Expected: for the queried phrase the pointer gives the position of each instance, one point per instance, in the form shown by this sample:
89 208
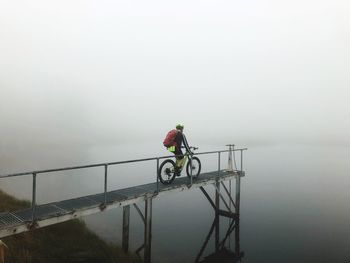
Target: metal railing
106 165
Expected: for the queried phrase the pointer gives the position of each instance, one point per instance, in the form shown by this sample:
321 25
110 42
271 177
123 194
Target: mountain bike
168 169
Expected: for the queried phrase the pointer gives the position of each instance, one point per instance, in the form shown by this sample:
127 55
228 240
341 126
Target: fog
76 74
96 81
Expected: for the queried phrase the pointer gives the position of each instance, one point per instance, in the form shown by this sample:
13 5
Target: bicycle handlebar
191 147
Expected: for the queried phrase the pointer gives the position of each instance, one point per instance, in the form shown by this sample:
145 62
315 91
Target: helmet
179 126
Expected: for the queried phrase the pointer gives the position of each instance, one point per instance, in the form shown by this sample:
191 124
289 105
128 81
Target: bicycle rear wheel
196 167
166 172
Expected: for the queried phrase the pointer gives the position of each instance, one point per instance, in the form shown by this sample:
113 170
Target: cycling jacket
180 140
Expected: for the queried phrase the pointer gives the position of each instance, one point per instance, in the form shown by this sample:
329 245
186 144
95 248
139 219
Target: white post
230 161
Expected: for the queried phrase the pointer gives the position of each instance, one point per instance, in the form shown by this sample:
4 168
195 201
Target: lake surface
294 200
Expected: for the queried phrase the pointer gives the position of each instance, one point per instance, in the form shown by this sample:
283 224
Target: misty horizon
252 73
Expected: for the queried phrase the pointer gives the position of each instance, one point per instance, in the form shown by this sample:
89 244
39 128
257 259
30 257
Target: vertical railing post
241 160
191 169
231 148
105 187
157 175
219 163
34 198
229 164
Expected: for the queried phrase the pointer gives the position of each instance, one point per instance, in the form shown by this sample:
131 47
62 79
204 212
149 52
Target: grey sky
103 72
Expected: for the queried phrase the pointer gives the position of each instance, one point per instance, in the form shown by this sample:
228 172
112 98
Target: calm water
294 201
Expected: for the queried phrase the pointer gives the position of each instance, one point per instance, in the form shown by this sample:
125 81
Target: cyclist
179 140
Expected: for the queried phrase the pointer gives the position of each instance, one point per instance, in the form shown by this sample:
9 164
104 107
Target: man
179 140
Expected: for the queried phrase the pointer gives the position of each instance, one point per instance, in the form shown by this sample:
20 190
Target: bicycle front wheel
166 172
196 167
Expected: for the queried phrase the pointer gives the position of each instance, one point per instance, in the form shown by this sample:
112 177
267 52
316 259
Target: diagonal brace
208 197
206 241
222 198
139 249
228 233
228 194
140 213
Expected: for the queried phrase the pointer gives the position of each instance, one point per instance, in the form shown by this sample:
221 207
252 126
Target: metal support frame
206 241
217 190
139 249
233 216
229 195
207 196
235 255
228 233
229 214
140 213
220 245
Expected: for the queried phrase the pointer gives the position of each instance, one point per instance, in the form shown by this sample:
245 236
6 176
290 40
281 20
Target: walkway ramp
52 213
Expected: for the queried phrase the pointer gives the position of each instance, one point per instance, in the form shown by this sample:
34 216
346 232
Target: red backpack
170 139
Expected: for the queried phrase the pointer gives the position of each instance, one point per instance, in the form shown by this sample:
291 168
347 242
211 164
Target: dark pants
179 152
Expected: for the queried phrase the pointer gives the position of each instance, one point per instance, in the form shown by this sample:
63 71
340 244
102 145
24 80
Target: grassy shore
66 242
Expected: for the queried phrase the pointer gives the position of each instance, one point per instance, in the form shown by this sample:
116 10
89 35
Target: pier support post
217 216
148 230
238 193
34 199
237 241
126 226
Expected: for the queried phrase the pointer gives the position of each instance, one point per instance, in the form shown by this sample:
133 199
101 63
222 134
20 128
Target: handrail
108 164
105 165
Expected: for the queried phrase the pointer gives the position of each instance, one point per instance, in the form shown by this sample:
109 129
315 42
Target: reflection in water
223 252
